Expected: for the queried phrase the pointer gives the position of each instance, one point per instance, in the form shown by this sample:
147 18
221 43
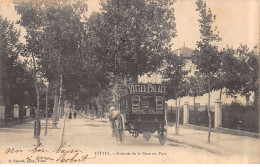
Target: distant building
186 54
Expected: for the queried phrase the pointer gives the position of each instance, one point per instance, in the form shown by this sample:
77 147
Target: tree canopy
175 76
57 37
17 86
132 35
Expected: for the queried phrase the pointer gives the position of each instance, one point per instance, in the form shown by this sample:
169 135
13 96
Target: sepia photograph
129 81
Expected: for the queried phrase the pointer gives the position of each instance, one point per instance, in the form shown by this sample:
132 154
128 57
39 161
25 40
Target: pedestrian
75 115
70 115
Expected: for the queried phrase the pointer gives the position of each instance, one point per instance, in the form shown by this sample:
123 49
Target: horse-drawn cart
141 111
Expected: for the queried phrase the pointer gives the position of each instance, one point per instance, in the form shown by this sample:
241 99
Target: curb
220 130
194 146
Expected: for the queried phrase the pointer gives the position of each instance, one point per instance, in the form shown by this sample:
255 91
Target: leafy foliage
237 116
239 71
17 86
206 56
56 35
206 51
197 85
131 36
175 76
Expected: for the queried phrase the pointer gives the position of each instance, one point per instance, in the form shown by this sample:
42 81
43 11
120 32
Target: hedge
201 118
238 116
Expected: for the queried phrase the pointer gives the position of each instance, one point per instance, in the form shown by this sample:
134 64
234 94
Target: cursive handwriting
61 150
37 150
75 158
64 155
12 150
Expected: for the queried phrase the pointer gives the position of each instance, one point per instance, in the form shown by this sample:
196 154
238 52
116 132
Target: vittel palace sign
147 88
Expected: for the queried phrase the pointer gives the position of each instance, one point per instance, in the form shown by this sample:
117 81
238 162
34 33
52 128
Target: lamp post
47 86
38 124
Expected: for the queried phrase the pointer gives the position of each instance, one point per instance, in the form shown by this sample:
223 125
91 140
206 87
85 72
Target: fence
198 117
237 116
8 122
231 116
201 118
171 115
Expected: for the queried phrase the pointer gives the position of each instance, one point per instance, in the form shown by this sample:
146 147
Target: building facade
186 54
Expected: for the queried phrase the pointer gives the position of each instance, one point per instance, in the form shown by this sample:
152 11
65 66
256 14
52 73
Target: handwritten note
59 155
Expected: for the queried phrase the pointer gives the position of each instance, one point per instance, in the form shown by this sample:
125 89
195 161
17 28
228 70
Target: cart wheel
121 128
162 134
116 129
162 138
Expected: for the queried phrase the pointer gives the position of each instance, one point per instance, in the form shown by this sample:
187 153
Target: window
159 102
146 101
135 102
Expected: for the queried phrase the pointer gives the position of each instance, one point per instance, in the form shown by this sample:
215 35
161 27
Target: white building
186 53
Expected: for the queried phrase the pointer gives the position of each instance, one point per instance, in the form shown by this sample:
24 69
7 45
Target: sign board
147 88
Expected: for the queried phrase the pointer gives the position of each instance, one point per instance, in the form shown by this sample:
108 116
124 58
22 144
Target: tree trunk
194 102
98 107
220 94
116 94
209 111
59 106
62 107
46 110
38 114
176 127
38 103
178 118
56 103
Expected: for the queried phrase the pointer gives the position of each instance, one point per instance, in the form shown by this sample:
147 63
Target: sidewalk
221 144
25 134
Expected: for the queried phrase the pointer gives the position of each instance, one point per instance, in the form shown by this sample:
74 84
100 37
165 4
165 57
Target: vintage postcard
129 82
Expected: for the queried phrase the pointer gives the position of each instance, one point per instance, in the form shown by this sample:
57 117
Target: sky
236 20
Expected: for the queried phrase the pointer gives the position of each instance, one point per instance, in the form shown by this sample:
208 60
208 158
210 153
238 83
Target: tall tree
197 87
206 56
15 79
174 76
133 34
139 32
54 36
239 71
175 79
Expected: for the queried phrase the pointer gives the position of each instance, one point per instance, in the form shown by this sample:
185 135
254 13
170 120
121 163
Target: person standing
75 114
70 115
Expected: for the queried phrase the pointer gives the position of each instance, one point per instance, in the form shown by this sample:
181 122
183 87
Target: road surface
95 137
86 140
